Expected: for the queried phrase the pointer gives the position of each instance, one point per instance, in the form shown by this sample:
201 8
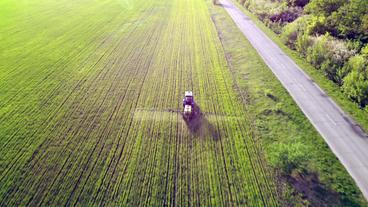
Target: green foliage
292 31
351 20
329 34
324 7
289 157
316 25
303 43
364 50
325 53
356 62
317 54
300 29
76 78
356 82
339 54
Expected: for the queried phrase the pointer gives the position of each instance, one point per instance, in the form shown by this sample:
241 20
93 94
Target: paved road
342 134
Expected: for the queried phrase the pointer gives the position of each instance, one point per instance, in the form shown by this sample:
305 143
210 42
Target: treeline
331 34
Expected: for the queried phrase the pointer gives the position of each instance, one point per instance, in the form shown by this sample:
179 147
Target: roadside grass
348 106
279 121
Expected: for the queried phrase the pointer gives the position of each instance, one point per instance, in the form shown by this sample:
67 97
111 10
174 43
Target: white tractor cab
188 104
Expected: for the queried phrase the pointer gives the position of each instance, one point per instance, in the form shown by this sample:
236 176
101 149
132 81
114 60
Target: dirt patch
311 189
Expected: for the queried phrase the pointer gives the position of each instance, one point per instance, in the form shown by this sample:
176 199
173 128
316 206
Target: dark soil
311 189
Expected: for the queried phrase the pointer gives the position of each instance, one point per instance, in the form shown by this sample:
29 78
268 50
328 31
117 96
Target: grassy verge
351 108
326 182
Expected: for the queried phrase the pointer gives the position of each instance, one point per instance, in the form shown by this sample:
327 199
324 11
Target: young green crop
90 94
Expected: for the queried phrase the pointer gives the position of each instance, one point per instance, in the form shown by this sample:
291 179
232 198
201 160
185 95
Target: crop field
90 101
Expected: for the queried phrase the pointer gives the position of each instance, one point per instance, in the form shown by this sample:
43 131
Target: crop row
109 132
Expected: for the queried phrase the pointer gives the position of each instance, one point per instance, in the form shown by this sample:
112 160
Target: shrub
300 29
317 53
292 31
290 34
329 55
324 7
303 43
355 84
339 54
316 25
354 45
351 20
364 51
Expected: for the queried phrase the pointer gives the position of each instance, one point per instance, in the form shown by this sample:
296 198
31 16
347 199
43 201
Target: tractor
188 105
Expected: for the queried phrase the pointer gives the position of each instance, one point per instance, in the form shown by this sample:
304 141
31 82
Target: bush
355 84
292 31
324 7
289 157
339 54
303 43
350 21
296 34
329 55
316 25
364 51
317 53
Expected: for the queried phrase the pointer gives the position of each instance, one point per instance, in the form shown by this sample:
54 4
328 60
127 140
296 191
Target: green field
88 108
90 111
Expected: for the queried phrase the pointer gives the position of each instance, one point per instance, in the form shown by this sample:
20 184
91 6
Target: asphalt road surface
342 134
